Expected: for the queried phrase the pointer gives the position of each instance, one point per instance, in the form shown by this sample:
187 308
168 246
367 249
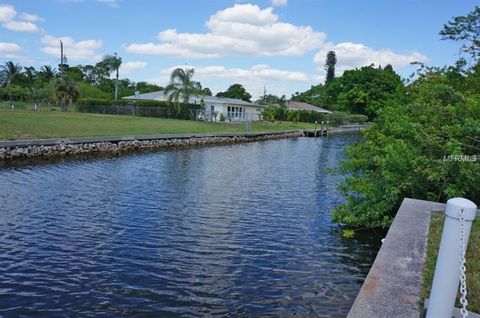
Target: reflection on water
240 230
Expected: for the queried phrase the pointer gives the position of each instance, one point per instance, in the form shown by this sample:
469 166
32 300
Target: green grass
25 124
473 262
29 106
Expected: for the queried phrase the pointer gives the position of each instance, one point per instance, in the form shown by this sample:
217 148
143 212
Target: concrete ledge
347 129
392 287
334 131
48 148
116 139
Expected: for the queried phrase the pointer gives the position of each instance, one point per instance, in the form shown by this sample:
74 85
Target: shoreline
70 147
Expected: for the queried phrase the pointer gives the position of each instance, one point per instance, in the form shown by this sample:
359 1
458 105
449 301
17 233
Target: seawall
63 147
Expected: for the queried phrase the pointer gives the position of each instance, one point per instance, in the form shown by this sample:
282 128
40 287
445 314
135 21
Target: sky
275 45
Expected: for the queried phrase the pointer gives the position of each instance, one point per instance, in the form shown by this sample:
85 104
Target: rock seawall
72 149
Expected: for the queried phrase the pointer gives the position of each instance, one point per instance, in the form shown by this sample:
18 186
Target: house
231 109
305 106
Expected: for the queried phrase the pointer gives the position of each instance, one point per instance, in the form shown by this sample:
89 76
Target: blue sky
277 44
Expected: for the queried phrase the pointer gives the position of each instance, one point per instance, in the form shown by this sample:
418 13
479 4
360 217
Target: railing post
447 270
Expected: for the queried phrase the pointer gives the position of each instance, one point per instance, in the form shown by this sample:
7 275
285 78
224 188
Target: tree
363 91
206 91
144 87
271 99
75 73
113 62
181 87
405 154
66 91
236 91
313 96
47 73
90 74
12 71
389 68
465 29
29 77
330 66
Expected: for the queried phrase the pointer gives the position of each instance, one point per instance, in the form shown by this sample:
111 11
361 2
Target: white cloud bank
111 3
132 66
279 3
242 30
254 79
8 16
248 30
7 12
81 50
352 55
31 17
10 50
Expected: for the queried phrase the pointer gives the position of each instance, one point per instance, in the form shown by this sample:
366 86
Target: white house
232 109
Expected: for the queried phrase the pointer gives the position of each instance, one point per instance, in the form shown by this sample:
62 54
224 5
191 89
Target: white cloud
248 30
111 3
131 67
30 17
81 50
10 50
243 29
279 3
354 55
259 71
8 15
20 26
7 12
254 79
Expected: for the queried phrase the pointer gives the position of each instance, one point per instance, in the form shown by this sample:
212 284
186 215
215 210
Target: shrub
337 118
269 113
293 115
357 119
272 113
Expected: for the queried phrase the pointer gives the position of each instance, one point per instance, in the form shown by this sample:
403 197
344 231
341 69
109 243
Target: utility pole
61 59
116 80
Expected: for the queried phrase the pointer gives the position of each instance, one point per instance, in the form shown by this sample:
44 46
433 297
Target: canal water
239 230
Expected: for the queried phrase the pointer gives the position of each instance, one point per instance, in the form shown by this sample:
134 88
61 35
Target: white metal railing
450 268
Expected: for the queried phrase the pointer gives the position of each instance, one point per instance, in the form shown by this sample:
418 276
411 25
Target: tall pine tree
330 66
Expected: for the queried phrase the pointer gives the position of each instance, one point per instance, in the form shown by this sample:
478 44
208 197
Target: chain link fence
132 110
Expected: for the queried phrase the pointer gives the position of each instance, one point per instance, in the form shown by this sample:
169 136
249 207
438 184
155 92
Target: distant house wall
232 113
231 108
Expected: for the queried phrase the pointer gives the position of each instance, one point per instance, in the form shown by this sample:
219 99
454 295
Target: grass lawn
25 124
473 262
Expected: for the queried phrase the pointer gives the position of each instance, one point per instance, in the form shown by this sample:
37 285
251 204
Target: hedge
272 113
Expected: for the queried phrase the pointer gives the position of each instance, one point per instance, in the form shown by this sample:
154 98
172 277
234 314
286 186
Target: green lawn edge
24 124
473 262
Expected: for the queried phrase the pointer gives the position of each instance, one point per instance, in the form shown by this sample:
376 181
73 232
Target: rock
115 148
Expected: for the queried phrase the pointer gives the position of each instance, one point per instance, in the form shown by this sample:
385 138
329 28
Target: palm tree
11 72
29 76
47 72
181 87
66 91
113 62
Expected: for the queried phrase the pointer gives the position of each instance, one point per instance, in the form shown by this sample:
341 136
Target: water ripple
234 231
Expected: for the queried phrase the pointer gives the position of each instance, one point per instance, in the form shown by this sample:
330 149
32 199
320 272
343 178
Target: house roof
159 95
306 106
